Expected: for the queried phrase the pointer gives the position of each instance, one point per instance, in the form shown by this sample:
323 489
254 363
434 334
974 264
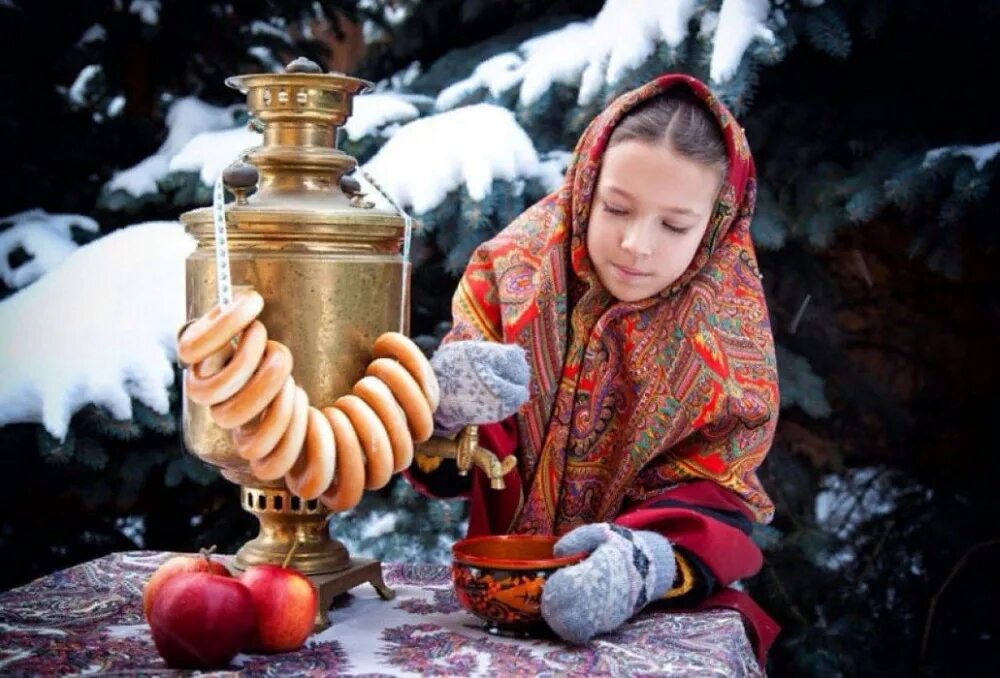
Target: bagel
408 394
349 482
212 331
255 439
212 388
258 393
214 363
286 452
401 347
380 398
373 437
313 471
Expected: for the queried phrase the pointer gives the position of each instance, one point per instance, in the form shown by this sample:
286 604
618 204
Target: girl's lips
626 272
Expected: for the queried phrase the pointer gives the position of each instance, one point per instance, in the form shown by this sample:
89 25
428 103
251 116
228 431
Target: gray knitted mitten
481 382
626 569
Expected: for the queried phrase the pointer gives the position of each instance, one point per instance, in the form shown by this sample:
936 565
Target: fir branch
962 562
826 29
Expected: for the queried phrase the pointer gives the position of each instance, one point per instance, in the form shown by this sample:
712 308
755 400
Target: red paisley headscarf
629 399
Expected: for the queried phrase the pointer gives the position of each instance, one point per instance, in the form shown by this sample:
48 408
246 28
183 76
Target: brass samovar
330 266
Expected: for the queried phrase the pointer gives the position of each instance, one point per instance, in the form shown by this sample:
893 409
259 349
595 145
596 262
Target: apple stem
291 552
207 553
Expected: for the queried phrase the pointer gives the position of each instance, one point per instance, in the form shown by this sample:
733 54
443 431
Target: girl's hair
681 119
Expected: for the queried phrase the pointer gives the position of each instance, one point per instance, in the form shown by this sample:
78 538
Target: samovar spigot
465 450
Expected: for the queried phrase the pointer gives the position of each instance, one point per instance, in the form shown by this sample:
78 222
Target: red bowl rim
512 563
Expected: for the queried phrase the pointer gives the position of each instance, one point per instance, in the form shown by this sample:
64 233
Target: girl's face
648 216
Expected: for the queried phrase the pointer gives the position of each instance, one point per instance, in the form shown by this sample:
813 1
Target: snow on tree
98 329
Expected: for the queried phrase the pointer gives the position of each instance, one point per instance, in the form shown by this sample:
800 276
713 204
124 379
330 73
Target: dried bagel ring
212 389
255 439
373 437
313 471
258 393
401 347
210 332
408 395
379 396
349 482
283 456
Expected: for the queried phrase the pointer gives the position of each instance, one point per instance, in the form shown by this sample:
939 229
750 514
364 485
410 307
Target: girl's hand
481 382
626 569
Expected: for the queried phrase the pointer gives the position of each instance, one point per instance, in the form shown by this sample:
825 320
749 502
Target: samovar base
296 531
286 522
330 586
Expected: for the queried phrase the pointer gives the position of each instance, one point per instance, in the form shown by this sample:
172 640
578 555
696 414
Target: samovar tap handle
465 450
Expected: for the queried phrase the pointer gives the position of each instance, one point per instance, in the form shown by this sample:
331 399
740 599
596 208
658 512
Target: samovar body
329 264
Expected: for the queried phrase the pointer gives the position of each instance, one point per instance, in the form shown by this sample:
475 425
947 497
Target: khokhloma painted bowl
499 579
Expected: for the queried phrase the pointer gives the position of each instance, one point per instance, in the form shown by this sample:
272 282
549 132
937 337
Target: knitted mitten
625 570
481 382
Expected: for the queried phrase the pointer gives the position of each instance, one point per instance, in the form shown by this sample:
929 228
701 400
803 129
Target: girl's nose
638 238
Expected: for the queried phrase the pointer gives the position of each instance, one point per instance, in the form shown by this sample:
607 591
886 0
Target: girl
617 331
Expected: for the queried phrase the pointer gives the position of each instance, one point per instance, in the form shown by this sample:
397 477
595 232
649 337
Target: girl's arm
710 530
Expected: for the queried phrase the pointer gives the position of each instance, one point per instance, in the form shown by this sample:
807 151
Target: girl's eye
617 211
674 229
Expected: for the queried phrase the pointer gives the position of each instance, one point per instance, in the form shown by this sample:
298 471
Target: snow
211 152
845 501
133 528
148 10
378 524
187 118
392 13
740 22
99 328
400 79
78 90
497 74
95 33
372 111
46 237
471 146
552 169
258 27
624 35
556 57
266 57
980 155
599 53
115 106
190 116
141 178
674 21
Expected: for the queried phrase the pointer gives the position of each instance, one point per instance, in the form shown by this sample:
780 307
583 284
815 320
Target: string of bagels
331 453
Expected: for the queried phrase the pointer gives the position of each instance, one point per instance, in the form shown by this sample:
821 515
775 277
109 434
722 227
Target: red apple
175 566
286 603
201 620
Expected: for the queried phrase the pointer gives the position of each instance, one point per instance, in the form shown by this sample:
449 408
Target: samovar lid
302 175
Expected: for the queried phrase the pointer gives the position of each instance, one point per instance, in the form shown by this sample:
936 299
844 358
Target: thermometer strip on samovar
222 274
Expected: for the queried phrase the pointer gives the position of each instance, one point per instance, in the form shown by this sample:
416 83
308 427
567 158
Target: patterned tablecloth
88 619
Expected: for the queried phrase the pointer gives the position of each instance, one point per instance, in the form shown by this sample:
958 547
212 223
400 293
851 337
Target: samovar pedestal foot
331 585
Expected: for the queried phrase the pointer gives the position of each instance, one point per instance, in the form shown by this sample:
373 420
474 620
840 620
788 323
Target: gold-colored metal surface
333 279
465 451
284 519
330 269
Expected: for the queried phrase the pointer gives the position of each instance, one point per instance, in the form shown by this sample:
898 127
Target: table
88 619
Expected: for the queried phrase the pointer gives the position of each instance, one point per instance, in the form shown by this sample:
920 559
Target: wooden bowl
499 579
